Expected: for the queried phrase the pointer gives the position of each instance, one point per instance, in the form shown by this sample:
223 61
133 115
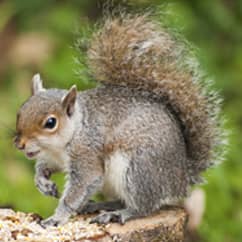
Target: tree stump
167 225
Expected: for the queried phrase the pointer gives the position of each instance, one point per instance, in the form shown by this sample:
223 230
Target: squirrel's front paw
46 186
53 221
49 222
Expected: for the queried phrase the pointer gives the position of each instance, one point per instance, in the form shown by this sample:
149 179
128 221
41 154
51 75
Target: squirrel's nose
20 143
21 146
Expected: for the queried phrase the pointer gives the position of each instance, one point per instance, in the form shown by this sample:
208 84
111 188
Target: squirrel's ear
69 100
37 84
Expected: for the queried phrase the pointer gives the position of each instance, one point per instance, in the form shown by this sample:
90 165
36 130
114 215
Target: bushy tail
136 51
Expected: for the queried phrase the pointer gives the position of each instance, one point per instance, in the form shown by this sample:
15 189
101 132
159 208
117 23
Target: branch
166 225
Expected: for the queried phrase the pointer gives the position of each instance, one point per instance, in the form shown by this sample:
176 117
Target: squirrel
142 137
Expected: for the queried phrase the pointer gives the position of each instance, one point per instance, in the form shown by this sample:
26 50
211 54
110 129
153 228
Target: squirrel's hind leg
120 216
93 207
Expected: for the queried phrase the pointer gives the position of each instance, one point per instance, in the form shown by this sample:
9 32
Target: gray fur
141 126
143 136
115 124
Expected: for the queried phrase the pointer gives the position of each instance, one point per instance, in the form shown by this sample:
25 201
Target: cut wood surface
168 225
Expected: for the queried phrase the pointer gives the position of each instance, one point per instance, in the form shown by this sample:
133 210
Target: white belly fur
114 180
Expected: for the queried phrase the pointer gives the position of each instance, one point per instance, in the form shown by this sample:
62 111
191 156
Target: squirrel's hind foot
94 207
119 216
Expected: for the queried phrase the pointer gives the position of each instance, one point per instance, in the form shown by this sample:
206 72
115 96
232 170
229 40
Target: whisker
10 132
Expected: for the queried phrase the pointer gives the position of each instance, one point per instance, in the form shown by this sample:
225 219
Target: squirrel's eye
50 123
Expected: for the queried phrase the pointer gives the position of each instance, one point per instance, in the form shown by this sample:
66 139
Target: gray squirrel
142 137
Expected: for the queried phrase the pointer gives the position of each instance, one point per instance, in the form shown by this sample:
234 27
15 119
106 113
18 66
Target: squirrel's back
137 52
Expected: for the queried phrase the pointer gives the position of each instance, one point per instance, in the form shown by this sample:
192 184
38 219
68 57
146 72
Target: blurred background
38 36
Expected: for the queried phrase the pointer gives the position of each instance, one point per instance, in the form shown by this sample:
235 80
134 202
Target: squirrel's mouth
31 155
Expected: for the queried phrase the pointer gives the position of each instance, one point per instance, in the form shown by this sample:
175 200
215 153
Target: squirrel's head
47 120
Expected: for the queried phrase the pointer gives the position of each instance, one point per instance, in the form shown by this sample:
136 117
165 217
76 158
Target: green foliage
213 26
